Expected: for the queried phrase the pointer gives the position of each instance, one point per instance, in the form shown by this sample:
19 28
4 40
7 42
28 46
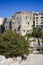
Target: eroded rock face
32 59
2 59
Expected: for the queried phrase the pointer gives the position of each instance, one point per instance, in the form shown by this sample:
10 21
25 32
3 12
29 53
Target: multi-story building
38 20
23 22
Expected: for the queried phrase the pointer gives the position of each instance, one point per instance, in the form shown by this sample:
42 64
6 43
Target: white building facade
39 20
23 22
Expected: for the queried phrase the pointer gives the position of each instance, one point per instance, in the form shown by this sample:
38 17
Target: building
7 24
23 22
1 22
38 20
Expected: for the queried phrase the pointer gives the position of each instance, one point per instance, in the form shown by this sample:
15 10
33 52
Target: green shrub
13 44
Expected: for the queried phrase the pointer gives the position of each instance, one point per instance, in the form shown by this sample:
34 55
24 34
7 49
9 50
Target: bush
28 35
13 44
36 34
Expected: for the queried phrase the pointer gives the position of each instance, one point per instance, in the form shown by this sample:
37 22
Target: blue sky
9 7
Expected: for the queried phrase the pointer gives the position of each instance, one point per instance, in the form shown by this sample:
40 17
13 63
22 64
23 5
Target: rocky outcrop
32 59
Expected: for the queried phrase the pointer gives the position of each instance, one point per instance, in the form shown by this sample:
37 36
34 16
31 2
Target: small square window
26 17
41 17
13 22
28 23
36 23
24 30
27 30
37 26
37 20
17 17
18 22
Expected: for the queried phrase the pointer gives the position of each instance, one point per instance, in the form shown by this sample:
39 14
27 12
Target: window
26 17
10 25
37 26
36 20
28 23
36 17
27 30
13 22
41 26
18 22
17 17
41 17
42 49
24 30
19 28
41 22
38 49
